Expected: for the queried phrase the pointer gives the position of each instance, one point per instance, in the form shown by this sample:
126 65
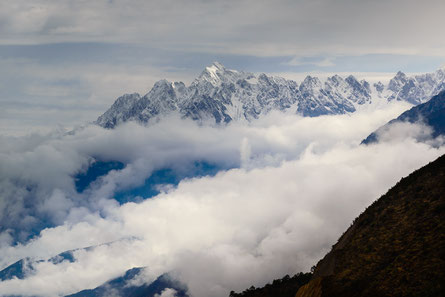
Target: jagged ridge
220 95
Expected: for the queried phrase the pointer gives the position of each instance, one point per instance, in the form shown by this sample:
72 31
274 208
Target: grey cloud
38 171
248 27
37 96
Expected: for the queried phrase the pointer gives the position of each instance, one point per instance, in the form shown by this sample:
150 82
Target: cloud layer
297 185
268 28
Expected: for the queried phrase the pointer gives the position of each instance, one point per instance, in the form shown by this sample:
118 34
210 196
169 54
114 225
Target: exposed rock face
119 111
395 248
221 95
284 287
415 89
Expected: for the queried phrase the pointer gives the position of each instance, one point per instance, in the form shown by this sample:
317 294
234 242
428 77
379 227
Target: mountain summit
221 95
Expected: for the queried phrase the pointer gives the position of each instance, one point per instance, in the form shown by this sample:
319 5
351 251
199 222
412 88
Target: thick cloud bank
294 187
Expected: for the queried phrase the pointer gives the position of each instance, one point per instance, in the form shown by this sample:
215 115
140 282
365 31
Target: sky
287 186
63 63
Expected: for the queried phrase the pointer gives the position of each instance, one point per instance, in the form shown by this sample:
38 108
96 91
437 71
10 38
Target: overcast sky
64 62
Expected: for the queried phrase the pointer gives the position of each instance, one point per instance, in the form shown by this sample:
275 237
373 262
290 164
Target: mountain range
125 285
130 284
220 95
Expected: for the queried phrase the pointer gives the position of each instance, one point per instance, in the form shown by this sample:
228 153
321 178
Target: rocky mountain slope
284 287
431 113
26 266
395 248
220 95
129 286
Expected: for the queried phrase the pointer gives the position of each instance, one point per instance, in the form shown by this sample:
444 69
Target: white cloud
304 182
167 293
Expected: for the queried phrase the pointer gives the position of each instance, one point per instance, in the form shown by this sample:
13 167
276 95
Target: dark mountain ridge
395 248
431 113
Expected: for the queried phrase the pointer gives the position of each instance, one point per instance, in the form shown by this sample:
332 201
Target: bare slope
395 248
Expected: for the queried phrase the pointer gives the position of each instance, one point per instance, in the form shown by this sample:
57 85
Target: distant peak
161 85
218 65
400 74
311 79
214 74
162 82
127 98
215 67
336 77
351 77
441 69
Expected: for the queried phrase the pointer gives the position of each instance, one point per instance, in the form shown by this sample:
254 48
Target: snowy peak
336 81
216 74
215 67
400 75
220 95
396 83
416 89
118 111
163 83
127 99
161 90
360 91
311 82
161 100
440 73
379 87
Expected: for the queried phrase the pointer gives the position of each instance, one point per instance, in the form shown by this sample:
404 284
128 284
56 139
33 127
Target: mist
286 189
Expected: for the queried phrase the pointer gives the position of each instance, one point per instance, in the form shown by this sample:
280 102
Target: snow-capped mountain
221 95
415 89
126 285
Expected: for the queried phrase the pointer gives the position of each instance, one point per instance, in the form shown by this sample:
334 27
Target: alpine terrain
220 95
431 113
